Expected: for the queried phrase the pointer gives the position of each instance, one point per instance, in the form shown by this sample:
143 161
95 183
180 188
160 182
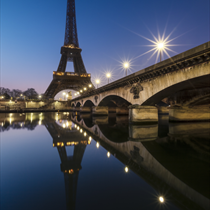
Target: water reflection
172 157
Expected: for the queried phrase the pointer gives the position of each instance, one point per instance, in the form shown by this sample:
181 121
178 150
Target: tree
6 96
30 93
16 93
5 90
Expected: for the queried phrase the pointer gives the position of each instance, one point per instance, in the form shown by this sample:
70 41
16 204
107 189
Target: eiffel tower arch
70 52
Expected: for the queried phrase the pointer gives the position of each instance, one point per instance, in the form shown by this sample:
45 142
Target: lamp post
64 96
108 75
126 66
160 46
97 82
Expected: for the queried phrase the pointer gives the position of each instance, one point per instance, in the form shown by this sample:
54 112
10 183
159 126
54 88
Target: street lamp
64 96
108 75
97 82
160 46
126 66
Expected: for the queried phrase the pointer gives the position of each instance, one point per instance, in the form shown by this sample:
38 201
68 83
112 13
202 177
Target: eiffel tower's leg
79 151
62 154
79 66
71 189
62 64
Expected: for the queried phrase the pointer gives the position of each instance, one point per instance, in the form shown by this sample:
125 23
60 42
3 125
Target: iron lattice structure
78 79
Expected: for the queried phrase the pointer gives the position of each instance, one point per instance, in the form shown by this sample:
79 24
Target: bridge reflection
160 158
164 155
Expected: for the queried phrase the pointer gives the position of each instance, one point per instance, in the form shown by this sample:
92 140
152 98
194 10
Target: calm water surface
62 161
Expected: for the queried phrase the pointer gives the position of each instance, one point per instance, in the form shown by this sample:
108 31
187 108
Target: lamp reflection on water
97 145
126 169
108 154
161 199
90 138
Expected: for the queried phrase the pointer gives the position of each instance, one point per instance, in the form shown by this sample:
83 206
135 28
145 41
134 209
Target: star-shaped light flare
160 45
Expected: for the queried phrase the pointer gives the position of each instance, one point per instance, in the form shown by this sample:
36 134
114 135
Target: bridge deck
194 56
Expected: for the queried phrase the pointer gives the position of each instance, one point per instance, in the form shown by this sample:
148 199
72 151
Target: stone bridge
184 79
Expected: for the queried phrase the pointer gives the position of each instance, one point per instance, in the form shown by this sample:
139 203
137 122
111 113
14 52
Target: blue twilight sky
32 33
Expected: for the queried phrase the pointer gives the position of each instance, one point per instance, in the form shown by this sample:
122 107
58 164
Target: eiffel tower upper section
71 27
71 51
78 80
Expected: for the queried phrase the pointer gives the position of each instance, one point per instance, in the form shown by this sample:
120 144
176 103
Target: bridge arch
199 100
78 104
114 101
88 103
170 89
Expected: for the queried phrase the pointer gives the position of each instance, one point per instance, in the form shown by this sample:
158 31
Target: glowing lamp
160 45
126 65
161 199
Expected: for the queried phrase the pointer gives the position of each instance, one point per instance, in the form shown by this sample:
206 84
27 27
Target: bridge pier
100 110
143 132
112 109
122 111
178 113
85 109
143 114
101 120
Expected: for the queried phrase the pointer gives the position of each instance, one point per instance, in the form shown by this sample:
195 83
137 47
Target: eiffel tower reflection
70 165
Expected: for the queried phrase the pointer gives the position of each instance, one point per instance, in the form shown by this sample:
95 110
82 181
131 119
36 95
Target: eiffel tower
79 79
